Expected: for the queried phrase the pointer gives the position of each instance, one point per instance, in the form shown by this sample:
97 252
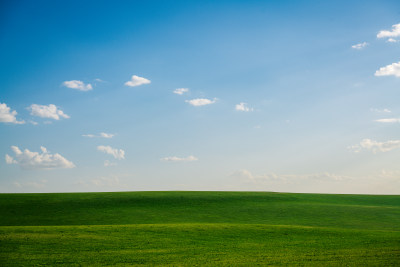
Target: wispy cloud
391 40
102 135
389 70
136 81
35 160
116 153
384 110
246 175
78 85
181 91
389 120
243 107
395 32
178 159
51 111
201 102
359 46
375 146
108 163
8 116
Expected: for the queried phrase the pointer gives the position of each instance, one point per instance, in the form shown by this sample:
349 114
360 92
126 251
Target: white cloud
111 181
391 40
392 69
36 160
359 46
201 102
189 158
181 91
78 85
6 115
388 34
50 111
243 107
375 146
10 160
116 153
106 135
385 110
36 185
389 120
89 135
108 163
286 178
103 135
136 81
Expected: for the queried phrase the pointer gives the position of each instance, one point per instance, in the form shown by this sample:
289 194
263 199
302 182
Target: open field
199 228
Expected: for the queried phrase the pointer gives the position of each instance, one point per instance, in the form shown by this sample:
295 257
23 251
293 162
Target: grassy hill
199 228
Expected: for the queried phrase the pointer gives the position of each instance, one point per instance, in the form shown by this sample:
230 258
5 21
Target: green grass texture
199 229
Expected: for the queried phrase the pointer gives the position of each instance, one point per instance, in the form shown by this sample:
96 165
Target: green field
199 228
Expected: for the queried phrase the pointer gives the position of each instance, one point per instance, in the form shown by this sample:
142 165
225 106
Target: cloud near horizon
51 111
116 153
375 146
249 177
201 102
8 116
389 120
78 85
29 160
136 81
178 159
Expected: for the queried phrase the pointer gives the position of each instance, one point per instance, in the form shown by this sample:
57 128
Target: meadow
199 228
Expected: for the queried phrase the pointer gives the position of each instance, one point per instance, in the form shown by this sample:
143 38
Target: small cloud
201 102
33 122
78 85
99 80
106 181
375 146
106 135
8 116
35 160
36 185
108 163
136 81
243 107
271 178
359 46
395 32
102 135
389 120
384 110
181 91
50 111
116 153
389 70
391 40
178 159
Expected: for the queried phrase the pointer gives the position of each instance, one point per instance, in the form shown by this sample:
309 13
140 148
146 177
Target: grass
199 228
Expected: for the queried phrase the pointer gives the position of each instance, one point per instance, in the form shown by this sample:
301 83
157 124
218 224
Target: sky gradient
289 96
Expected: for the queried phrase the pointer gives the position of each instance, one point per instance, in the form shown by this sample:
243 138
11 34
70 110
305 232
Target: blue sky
291 96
